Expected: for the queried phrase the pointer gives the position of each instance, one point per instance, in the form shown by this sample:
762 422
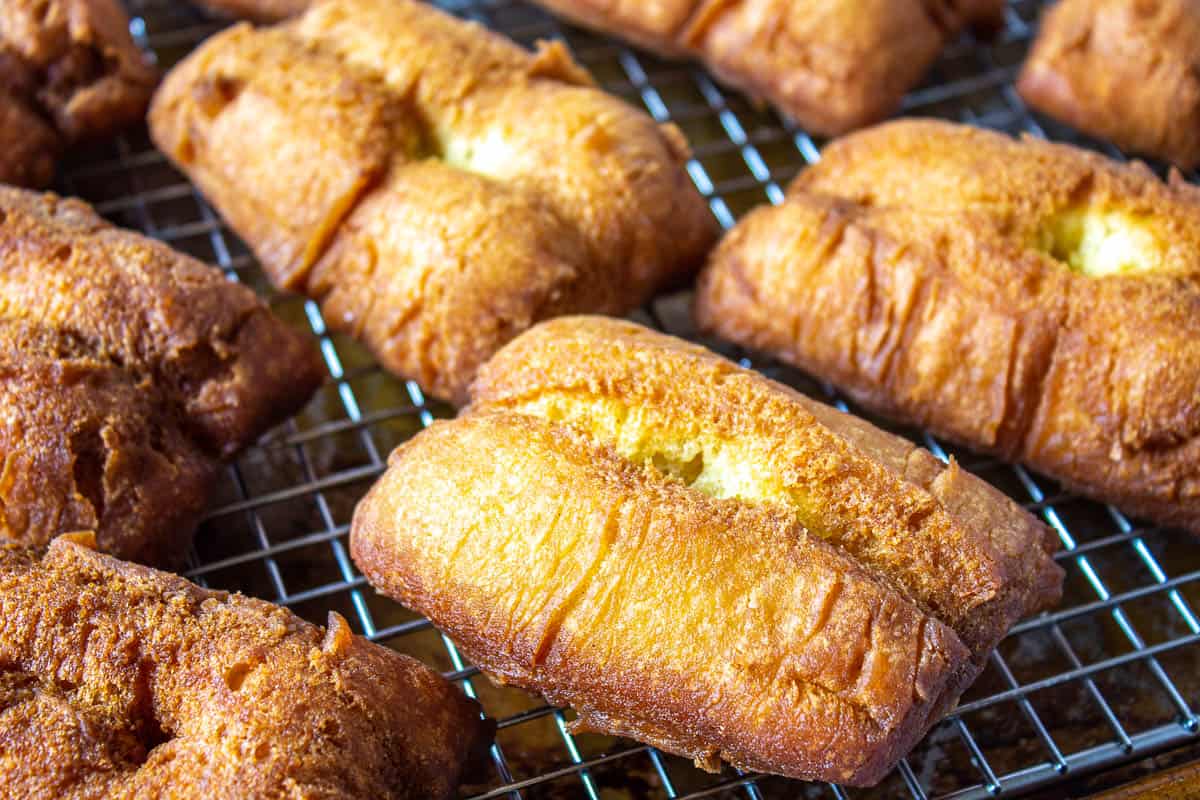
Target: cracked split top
69 71
438 188
1028 299
697 557
119 682
128 371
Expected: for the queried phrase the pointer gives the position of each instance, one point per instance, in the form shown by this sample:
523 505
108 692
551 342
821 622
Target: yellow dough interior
714 465
490 155
1098 242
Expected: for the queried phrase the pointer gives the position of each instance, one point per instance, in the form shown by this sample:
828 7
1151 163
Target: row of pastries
683 551
1115 69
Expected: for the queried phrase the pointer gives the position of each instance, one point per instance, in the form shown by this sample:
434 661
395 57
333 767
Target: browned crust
69 71
438 188
28 145
234 368
966 552
832 66
713 629
904 268
120 681
718 624
83 444
257 10
1128 72
127 371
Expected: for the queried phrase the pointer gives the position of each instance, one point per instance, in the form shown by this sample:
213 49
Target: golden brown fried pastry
955 544
119 681
832 66
1028 299
258 10
698 557
1123 70
69 71
86 443
436 187
127 372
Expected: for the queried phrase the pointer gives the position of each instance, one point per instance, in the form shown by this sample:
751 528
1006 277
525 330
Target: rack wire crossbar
1111 675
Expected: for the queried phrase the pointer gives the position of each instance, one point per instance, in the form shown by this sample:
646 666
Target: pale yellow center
1099 243
717 466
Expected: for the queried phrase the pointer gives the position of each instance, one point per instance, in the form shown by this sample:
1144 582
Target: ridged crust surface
891 505
911 267
695 556
832 66
69 71
127 372
1124 71
437 187
707 627
118 681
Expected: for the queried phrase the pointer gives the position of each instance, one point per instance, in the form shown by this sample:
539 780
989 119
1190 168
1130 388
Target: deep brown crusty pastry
28 145
1028 299
435 186
86 443
127 372
119 681
832 65
69 71
1122 70
698 557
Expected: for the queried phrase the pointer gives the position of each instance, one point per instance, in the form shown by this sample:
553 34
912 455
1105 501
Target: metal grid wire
1111 675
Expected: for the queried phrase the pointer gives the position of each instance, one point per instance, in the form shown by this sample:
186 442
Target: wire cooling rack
1110 676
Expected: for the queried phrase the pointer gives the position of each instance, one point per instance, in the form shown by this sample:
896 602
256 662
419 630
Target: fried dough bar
955 544
436 187
1027 299
697 557
69 71
119 681
832 65
1124 71
127 372
708 628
